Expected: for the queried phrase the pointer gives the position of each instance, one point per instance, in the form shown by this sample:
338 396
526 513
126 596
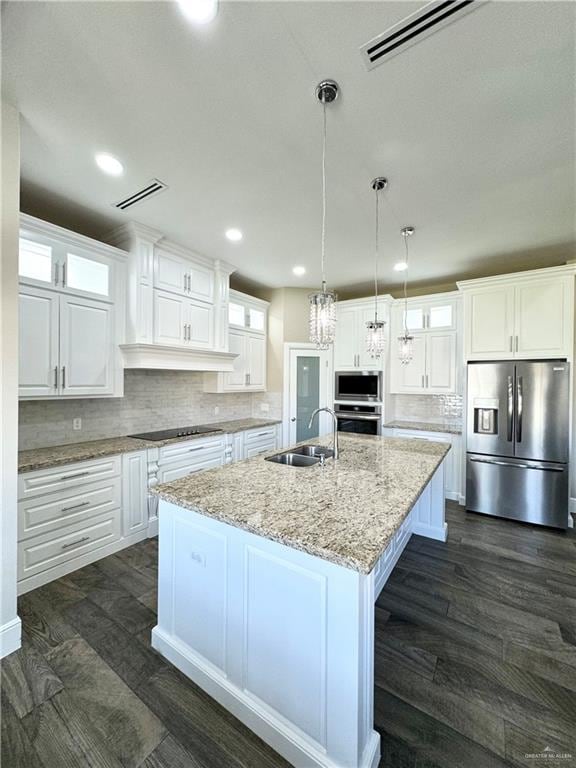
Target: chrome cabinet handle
423 385
511 343
64 273
55 273
76 506
248 375
76 543
63 377
185 339
189 283
75 474
55 377
517 466
519 408
517 344
510 418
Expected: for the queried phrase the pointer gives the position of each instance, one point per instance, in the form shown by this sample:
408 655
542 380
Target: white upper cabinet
351 333
177 314
72 314
247 340
489 323
38 340
180 275
526 316
433 322
86 347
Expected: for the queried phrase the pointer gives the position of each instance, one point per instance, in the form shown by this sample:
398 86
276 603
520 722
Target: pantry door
308 385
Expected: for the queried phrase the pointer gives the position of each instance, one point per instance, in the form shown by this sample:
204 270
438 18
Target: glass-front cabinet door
51 264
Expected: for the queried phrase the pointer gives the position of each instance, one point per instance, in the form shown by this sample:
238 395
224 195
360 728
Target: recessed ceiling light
235 235
199 11
400 266
299 271
109 164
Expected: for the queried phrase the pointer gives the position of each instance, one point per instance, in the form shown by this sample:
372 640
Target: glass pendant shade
375 338
405 348
322 317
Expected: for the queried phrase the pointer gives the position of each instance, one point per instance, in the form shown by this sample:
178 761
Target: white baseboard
45 577
571 511
274 731
10 637
430 531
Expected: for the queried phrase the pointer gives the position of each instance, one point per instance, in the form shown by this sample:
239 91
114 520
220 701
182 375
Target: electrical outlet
264 407
216 410
76 424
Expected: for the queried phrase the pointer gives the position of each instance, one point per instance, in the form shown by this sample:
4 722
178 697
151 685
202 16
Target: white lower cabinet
453 463
73 515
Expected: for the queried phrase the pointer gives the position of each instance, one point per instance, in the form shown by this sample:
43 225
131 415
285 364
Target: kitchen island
267 580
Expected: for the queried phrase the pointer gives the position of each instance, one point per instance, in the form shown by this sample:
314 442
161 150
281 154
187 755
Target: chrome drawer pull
76 543
199 448
263 434
76 474
76 506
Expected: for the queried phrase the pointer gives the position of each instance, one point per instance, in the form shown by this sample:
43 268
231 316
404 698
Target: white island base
282 639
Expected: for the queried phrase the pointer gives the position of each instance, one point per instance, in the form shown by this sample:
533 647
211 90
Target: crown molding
46 229
568 270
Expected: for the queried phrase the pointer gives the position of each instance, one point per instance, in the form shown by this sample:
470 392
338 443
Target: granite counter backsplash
345 511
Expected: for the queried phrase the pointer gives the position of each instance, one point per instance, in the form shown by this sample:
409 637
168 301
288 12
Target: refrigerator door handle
509 432
519 405
518 466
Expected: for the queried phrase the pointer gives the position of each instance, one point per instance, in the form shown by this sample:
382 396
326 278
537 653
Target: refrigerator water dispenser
486 416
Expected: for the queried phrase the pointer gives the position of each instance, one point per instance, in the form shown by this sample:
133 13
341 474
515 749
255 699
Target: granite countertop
426 426
345 512
58 455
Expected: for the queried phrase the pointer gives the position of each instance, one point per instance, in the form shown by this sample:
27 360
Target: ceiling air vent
154 187
422 23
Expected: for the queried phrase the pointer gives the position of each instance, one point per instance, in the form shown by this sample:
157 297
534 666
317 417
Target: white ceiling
474 127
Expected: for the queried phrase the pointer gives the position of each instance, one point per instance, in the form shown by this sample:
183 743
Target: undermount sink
294 459
314 450
303 456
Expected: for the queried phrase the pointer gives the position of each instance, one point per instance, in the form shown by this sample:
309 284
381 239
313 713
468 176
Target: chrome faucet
335 422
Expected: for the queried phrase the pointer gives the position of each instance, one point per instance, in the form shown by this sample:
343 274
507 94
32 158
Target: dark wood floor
475 664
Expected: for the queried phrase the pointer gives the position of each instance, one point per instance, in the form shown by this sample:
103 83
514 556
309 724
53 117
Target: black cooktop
166 434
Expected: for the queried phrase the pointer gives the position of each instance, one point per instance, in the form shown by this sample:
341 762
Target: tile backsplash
428 408
152 400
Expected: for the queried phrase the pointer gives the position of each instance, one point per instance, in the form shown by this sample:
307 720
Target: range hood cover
168 358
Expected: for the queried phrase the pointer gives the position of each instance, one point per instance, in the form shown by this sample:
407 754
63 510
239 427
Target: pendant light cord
376 238
405 287
323 251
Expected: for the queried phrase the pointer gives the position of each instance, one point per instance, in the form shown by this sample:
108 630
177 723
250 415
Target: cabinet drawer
68 476
177 469
49 550
257 436
256 450
42 514
191 450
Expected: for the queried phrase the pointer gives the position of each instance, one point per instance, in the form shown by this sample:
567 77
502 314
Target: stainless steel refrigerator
518 440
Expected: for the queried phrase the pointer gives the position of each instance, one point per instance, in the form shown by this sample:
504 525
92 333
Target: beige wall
287 321
10 173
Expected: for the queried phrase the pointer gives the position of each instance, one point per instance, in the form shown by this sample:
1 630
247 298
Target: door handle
76 543
75 474
539 468
510 417
76 506
519 409
293 418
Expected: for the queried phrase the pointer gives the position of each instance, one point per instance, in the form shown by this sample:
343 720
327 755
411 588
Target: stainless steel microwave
358 385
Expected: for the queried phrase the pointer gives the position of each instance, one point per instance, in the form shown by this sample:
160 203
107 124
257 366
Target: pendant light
323 302
405 351
375 337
